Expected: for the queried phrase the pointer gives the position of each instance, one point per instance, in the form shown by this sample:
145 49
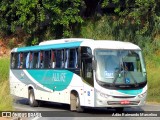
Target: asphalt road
61 111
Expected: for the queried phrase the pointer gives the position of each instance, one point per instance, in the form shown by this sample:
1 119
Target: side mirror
94 64
86 56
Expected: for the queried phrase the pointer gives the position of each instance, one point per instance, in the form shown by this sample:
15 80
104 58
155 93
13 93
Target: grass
153 75
5 97
97 30
4 69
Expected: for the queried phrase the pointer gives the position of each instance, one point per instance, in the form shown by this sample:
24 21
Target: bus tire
79 108
75 102
31 97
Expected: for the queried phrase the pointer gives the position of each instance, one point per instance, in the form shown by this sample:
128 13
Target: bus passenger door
87 75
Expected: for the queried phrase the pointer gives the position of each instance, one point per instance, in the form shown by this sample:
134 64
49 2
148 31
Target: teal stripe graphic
56 80
45 47
22 77
131 92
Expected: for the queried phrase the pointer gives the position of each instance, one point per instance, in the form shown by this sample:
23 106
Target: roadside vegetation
5 97
153 68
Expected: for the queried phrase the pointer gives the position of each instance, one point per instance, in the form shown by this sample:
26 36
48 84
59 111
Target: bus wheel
78 107
31 97
75 102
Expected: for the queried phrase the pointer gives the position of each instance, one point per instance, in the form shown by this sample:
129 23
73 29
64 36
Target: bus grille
123 96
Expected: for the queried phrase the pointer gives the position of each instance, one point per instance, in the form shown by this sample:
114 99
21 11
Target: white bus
80 72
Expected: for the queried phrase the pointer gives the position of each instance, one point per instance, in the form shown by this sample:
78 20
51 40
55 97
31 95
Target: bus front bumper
119 102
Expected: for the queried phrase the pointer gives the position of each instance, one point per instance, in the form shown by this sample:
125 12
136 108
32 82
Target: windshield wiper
119 72
115 78
102 83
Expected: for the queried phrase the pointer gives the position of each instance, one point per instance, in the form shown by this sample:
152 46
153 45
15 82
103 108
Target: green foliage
153 68
59 18
11 43
135 18
105 3
36 16
100 29
34 41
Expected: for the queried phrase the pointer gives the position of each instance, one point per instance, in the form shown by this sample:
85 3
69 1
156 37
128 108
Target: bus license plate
125 102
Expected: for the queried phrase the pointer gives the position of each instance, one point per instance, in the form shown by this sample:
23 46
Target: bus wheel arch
75 102
31 97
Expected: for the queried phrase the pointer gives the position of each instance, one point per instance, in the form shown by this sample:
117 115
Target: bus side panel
84 90
52 96
46 95
17 87
51 85
76 85
21 80
61 96
88 95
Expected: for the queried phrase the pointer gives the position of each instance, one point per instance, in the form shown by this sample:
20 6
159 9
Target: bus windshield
120 67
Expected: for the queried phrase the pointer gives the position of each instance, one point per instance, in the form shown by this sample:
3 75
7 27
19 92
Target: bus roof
59 41
76 42
110 44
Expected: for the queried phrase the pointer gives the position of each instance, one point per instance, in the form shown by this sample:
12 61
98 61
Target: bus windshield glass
120 67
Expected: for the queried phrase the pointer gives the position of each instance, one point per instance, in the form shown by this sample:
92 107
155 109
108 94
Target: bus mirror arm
87 56
94 64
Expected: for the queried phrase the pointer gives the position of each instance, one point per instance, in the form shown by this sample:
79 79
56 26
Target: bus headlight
103 94
142 95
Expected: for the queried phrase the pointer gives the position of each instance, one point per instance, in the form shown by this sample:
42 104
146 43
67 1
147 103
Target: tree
91 7
134 17
38 17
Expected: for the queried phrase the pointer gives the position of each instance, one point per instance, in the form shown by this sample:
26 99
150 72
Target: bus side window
14 60
58 53
59 58
62 58
20 60
53 59
76 59
35 60
31 60
66 58
73 62
24 59
27 60
50 59
47 59
41 59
